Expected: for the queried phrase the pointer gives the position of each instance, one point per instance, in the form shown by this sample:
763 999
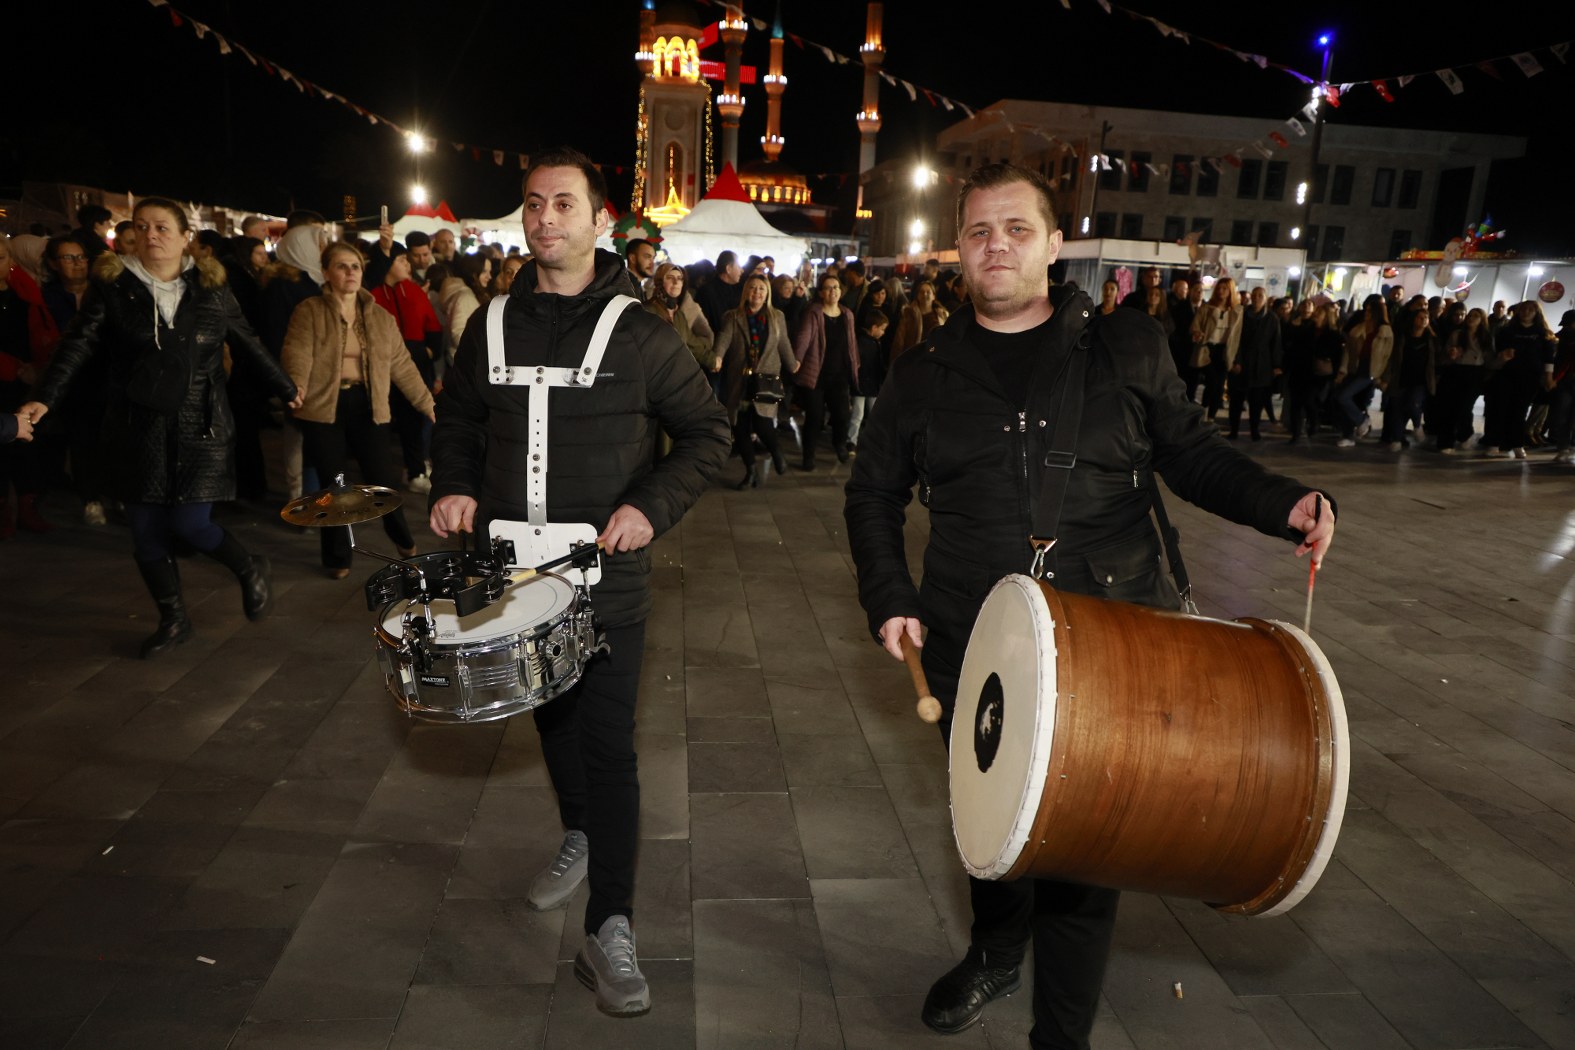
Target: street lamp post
1320 97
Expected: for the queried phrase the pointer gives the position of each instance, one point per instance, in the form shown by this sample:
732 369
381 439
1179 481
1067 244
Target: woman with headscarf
667 302
753 345
163 320
345 353
294 276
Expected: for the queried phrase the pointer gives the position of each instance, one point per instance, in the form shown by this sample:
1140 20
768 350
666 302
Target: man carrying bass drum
968 419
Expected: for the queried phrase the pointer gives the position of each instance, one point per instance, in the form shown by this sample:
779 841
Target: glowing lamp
418 194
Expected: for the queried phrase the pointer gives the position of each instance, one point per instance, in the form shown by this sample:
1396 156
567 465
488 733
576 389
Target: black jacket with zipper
601 440
944 425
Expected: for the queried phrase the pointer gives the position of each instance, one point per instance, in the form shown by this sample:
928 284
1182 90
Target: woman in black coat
161 320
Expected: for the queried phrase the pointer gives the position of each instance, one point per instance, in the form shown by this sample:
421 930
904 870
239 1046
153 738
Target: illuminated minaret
673 143
869 117
776 83
730 103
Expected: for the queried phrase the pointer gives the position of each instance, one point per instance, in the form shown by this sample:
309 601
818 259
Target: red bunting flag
1278 139
174 18
1490 69
1332 93
1233 160
1383 91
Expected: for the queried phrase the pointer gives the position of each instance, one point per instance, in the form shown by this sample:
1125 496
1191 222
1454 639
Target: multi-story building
1151 175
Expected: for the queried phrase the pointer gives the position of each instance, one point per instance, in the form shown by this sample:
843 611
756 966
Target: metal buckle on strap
1041 551
1064 460
1188 606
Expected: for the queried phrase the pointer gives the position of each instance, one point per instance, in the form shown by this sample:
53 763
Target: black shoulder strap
1059 462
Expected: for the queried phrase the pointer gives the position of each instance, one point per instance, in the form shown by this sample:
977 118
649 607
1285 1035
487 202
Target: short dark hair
726 259
634 243
214 241
122 226
568 157
90 215
304 217
1001 173
417 239
856 266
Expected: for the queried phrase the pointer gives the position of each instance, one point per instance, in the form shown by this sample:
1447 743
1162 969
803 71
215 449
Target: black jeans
328 446
751 424
1459 386
1069 924
1305 398
1213 376
587 738
833 396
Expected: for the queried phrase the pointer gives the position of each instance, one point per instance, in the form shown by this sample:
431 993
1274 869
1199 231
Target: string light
641 161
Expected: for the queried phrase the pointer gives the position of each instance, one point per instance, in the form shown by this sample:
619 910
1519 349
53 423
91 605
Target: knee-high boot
252 571
163 580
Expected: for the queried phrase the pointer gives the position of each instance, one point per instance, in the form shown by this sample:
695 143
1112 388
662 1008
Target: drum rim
1015 846
540 629
1283 898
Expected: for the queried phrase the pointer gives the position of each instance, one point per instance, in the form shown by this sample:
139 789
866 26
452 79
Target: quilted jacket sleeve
876 499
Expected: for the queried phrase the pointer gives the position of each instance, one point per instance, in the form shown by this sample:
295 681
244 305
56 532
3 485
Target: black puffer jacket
187 456
602 440
944 424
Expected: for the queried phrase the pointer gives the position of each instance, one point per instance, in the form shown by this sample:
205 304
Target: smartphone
383 216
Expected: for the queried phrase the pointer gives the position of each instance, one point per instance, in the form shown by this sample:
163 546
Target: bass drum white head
539 600
1003 727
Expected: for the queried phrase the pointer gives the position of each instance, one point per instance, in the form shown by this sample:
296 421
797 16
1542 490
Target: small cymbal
348 505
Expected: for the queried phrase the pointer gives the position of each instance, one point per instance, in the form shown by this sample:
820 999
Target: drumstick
929 707
525 574
1312 567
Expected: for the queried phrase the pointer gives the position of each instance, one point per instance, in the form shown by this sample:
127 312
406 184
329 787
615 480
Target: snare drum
517 653
1117 745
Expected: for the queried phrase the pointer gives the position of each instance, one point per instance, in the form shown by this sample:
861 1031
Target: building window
1132 226
1333 242
1105 224
1181 173
1241 232
1137 171
1204 228
1340 189
1208 179
1410 188
1175 227
1310 242
1320 180
1110 178
1399 243
1268 234
1274 177
1248 178
1383 187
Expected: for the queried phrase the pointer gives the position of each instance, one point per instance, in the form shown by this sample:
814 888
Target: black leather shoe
958 999
256 591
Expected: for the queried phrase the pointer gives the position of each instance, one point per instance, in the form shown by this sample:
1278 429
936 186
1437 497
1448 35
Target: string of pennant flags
1385 87
1526 62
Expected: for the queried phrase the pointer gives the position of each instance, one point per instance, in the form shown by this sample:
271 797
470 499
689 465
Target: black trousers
587 738
1305 398
413 428
1213 376
830 396
328 447
1257 400
1069 924
1459 386
748 425
249 406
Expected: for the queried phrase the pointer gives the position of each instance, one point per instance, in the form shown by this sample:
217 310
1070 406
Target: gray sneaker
607 966
558 880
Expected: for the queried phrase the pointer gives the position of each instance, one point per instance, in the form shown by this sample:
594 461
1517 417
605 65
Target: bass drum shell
1117 745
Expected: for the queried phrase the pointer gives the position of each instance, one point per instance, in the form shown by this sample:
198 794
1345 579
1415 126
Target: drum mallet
929 707
1312 567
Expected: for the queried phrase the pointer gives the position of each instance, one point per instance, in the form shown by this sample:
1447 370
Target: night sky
115 96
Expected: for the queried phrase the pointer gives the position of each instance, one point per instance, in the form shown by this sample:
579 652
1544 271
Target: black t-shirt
835 367
1413 362
1012 355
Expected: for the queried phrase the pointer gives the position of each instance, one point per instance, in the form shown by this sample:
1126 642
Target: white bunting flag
1263 151
1528 64
1560 50
1403 81
1451 80
200 29
947 103
1297 126
913 93
224 45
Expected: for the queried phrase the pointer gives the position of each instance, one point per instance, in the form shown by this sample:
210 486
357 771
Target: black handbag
766 388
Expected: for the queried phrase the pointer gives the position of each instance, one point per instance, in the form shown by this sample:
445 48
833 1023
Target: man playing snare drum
597 462
969 418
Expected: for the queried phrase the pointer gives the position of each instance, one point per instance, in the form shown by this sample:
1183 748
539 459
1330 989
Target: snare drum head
1003 727
539 600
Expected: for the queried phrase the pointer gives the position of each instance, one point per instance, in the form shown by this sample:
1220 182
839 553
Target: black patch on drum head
987 724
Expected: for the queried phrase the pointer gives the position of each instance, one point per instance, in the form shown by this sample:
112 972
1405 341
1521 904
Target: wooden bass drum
1117 745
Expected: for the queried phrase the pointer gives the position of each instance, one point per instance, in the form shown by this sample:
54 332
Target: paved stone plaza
244 844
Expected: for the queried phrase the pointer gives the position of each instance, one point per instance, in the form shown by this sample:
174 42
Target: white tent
725 219
426 220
